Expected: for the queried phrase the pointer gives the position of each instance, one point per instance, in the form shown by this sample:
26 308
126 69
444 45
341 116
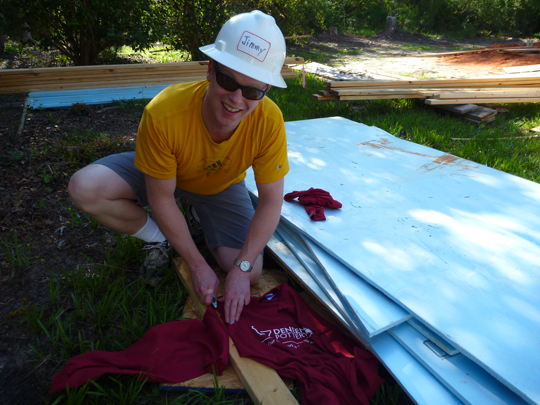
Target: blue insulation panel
421 386
66 98
464 378
453 242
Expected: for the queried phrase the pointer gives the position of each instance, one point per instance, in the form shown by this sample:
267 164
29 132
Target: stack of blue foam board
100 96
433 262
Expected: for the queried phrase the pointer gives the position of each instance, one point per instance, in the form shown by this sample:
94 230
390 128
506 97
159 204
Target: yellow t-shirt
173 141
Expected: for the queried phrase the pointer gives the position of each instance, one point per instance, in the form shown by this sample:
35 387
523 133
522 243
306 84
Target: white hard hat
251 44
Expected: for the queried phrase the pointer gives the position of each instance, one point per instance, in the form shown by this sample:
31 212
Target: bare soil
399 54
33 196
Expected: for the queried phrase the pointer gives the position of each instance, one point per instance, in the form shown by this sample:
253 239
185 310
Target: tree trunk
391 23
333 32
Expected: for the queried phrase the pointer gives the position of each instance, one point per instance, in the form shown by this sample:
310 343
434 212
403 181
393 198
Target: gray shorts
225 217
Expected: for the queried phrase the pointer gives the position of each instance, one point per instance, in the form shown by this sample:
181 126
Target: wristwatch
244 265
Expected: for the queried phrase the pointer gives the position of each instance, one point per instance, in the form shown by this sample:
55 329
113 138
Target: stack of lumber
101 85
505 89
432 261
106 76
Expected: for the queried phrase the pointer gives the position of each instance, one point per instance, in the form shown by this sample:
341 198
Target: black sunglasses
229 84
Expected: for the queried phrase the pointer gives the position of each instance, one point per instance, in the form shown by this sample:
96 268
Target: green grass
108 308
18 254
158 54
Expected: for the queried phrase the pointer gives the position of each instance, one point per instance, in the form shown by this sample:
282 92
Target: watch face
244 266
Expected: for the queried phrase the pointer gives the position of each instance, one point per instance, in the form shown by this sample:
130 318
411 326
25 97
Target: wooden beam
439 83
318 97
432 101
490 94
261 382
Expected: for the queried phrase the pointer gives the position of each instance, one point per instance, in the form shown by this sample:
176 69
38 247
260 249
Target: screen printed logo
209 166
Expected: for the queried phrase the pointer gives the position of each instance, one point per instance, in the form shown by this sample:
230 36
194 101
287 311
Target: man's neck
220 137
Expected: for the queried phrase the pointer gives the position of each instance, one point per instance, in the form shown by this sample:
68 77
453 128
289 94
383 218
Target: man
195 141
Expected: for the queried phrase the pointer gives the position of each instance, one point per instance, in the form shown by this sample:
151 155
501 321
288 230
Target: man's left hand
237 294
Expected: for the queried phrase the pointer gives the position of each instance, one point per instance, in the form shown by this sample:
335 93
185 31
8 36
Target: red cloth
283 332
314 201
169 353
278 329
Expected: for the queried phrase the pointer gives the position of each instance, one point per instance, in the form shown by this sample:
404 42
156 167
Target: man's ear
210 70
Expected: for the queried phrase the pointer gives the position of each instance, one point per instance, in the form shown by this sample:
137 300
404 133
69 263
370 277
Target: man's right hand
205 284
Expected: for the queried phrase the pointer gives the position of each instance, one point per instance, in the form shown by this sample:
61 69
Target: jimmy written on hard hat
251 44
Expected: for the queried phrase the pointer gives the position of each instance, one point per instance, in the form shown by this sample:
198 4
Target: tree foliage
82 29
190 24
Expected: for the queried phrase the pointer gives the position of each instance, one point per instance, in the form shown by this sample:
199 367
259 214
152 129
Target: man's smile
230 109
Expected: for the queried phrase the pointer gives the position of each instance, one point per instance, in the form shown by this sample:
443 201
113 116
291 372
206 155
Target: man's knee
82 187
95 183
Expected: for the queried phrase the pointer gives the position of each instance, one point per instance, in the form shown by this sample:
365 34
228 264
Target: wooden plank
262 382
318 97
377 92
483 121
228 380
458 109
381 97
525 93
439 83
481 113
522 69
496 139
432 101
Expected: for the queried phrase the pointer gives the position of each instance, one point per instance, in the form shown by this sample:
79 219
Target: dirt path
398 55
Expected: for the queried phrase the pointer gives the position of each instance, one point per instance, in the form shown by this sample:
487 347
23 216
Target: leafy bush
503 16
82 29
